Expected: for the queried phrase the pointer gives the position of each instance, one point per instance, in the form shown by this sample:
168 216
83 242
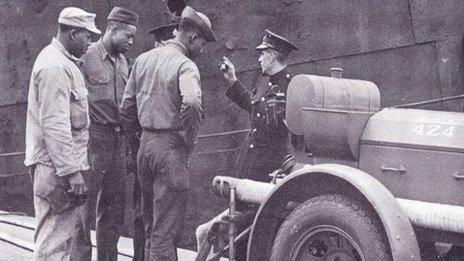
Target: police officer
106 72
266 146
267 142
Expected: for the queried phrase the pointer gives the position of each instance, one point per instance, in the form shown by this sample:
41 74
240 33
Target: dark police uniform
266 145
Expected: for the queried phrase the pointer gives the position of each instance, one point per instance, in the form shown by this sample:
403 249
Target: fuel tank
330 113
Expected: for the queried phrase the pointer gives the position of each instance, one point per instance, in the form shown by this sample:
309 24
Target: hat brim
170 27
263 47
94 30
191 14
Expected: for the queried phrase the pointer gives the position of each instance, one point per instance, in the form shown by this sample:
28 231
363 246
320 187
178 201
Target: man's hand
77 183
228 70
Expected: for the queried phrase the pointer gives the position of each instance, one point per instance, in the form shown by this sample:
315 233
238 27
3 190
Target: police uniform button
252 146
270 84
263 99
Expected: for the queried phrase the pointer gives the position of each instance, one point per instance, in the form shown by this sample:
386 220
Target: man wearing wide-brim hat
164 93
106 71
57 137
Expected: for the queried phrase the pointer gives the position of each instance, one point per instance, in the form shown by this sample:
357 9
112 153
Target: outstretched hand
228 70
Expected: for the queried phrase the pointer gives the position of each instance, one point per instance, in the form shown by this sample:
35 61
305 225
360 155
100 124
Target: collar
101 49
104 52
180 46
63 50
279 75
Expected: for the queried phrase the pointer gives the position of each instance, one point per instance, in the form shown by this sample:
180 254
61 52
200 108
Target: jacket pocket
98 77
79 108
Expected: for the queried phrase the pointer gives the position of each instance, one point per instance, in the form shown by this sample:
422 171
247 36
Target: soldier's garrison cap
124 15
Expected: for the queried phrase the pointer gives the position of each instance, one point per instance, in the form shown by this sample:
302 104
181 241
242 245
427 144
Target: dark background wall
412 49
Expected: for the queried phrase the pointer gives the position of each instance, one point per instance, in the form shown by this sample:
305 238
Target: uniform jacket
57 112
262 134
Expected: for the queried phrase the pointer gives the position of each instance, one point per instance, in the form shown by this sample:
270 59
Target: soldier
266 146
164 92
133 132
106 72
57 136
267 142
164 33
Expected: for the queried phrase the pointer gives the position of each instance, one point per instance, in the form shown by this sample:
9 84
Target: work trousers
55 235
162 168
138 235
106 190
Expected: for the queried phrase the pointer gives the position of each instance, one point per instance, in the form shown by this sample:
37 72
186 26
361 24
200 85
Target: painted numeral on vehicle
433 130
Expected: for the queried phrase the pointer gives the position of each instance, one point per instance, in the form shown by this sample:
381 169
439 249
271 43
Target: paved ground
17 240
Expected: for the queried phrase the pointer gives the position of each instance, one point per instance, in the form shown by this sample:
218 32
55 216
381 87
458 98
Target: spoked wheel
330 228
326 243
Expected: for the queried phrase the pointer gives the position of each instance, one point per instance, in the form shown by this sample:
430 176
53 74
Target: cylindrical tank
330 113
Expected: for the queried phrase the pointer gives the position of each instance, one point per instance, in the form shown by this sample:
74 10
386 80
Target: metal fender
313 180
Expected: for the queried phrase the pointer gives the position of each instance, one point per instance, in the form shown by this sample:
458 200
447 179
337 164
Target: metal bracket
400 170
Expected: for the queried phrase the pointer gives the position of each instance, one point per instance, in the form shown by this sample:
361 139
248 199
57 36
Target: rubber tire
338 211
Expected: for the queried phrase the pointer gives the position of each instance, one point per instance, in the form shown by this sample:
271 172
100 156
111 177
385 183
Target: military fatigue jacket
254 102
57 112
106 79
164 92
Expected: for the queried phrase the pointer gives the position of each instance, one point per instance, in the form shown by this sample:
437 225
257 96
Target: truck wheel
330 228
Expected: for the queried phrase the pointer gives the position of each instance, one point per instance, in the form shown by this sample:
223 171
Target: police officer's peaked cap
124 15
163 33
201 20
276 42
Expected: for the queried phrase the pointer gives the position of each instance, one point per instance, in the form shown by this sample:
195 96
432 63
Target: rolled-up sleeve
191 112
54 97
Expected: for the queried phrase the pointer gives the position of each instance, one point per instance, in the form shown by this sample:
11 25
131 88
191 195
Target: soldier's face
266 60
196 47
122 37
80 42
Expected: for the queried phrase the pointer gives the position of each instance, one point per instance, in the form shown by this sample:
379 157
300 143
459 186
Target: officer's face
80 42
266 59
122 37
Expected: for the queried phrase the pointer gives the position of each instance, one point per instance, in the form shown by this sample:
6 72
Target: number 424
434 130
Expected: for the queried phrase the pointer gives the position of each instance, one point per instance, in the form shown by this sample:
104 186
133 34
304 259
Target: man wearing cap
164 93
57 136
267 142
133 132
164 33
106 71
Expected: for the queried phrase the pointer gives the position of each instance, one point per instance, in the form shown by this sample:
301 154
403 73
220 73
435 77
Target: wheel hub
327 243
